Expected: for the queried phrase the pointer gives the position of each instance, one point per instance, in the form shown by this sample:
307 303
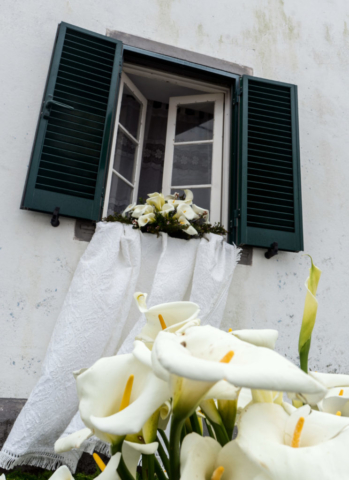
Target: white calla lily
337 397
195 361
175 201
203 458
190 230
334 383
140 210
261 338
166 209
146 219
186 211
129 208
156 199
170 317
201 211
118 396
305 445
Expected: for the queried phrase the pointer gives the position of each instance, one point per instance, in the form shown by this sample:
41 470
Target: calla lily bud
309 315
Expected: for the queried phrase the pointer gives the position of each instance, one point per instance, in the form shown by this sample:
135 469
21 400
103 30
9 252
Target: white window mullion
217 148
125 80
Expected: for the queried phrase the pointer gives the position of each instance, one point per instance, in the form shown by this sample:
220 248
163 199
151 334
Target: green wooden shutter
269 205
70 153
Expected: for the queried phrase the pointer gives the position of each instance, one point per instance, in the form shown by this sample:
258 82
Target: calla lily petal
140 210
223 391
335 404
201 211
198 457
190 230
318 427
62 473
186 211
100 390
129 208
331 380
262 438
110 471
132 452
74 440
167 208
176 316
151 394
145 219
261 338
252 367
141 300
157 200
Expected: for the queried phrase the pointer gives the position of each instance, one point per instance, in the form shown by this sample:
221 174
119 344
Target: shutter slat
69 162
83 123
72 146
74 41
269 193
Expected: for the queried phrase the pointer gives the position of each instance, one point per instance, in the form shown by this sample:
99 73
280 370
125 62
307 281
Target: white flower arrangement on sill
196 376
175 215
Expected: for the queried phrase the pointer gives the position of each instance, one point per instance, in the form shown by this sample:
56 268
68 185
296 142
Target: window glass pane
194 122
192 164
130 112
202 196
124 159
154 149
120 195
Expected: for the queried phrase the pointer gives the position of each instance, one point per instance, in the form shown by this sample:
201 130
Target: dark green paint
243 234
90 207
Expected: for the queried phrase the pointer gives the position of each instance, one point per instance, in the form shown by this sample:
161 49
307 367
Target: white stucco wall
305 43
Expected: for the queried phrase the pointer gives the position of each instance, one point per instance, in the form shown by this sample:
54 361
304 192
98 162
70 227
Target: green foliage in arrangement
46 474
171 225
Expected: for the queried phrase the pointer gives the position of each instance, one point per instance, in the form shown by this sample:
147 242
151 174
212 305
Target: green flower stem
209 429
221 433
159 471
304 355
195 425
183 433
227 410
163 456
148 467
175 438
122 469
164 438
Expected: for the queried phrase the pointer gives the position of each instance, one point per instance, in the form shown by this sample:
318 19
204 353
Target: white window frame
125 80
217 144
203 87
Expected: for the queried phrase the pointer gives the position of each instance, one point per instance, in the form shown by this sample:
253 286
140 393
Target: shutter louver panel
70 153
269 193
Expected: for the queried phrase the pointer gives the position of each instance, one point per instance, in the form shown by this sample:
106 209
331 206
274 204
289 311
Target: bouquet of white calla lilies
210 384
174 214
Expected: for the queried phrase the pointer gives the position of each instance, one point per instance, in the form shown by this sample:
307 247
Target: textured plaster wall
305 43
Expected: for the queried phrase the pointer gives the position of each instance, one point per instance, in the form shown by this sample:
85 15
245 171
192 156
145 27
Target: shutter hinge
238 93
102 196
237 215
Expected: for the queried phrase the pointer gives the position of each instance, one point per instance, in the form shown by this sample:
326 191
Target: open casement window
269 207
126 155
193 155
232 140
71 148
